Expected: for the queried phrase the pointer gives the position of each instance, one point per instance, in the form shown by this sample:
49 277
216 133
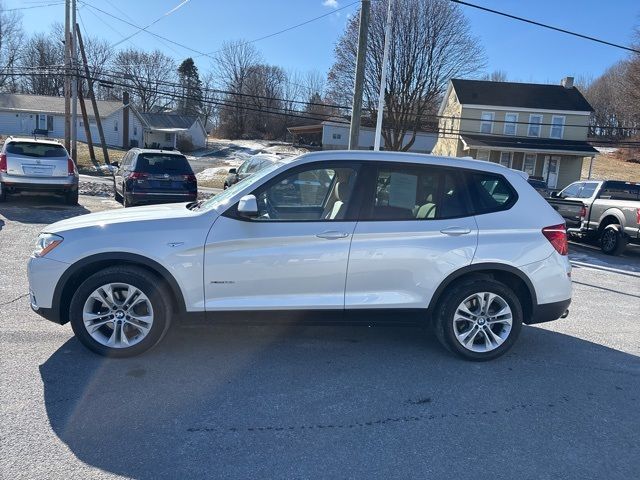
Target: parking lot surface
291 401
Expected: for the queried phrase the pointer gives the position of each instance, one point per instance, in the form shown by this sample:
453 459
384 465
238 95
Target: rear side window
36 150
620 191
416 193
490 193
163 163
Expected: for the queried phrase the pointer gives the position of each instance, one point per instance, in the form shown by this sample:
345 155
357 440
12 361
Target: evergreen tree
190 101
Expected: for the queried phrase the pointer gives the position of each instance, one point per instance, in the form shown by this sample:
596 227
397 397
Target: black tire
446 309
71 197
143 280
225 186
127 201
116 195
612 240
3 194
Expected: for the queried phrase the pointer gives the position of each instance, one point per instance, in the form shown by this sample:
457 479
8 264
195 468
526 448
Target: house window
557 126
336 136
135 130
486 122
510 123
529 164
483 155
505 159
115 126
534 125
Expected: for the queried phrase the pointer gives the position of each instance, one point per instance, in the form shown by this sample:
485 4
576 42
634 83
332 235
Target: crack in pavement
383 421
14 300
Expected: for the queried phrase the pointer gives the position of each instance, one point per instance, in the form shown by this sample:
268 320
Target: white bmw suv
470 244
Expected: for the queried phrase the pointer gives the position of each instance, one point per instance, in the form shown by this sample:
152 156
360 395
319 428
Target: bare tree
209 109
431 43
11 40
99 56
496 76
263 90
42 58
147 75
234 64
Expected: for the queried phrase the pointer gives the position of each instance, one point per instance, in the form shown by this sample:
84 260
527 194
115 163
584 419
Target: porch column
175 138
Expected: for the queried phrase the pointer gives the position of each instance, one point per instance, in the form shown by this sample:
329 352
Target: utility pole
383 79
85 121
92 96
356 109
67 78
74 88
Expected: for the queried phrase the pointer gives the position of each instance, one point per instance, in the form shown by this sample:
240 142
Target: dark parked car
540 186
154 176
249 167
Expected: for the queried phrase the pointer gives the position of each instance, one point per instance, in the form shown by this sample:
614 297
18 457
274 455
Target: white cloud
330 3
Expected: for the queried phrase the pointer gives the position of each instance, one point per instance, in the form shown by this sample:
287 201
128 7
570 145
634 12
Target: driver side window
316 194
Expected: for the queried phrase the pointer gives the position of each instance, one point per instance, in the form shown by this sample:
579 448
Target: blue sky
526 52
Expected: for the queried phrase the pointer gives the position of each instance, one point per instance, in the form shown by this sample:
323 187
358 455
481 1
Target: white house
24 114
331 135
171 130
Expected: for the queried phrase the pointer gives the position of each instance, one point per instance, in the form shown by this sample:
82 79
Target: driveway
293 401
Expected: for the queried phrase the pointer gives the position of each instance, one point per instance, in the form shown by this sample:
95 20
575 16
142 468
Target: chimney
125 120
567 82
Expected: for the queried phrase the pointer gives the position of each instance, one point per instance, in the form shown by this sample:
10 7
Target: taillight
71 167
190 178
638 216
3 163
583 212
138 176
557 236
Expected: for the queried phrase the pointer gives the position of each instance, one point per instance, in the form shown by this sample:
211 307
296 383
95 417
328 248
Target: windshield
35 149
223 197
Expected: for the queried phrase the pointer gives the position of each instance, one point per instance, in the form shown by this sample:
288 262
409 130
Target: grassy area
88 166
609 167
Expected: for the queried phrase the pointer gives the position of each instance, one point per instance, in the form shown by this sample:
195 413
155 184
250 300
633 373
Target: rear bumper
54 184
165 197
548 312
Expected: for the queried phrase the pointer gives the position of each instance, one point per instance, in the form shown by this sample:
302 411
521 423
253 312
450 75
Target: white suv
469 243
34 164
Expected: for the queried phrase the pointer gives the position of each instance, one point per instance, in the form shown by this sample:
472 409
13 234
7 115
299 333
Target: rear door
36 159
164 173
415 228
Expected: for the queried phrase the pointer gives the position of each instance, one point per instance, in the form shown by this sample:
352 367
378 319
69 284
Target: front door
294 254
416 229
551 170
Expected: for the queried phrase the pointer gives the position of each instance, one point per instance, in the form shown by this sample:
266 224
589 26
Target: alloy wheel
482 322
117 315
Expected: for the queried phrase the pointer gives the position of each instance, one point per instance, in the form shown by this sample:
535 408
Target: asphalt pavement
287 401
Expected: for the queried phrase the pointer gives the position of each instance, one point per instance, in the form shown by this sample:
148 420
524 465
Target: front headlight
45 243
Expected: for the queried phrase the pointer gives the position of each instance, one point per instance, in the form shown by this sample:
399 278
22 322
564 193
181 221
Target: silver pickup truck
607 211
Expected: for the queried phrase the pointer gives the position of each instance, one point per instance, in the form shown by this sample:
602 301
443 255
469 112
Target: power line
293 27
144 29
544 25
31 7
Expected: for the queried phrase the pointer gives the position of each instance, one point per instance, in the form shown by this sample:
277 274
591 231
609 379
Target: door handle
332 235
455 231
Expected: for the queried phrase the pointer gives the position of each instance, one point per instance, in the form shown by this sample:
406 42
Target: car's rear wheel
612 240
3 193
120 311
71 197
117 196
479 320
127 201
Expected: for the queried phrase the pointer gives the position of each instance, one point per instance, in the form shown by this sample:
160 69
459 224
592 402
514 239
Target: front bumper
44 274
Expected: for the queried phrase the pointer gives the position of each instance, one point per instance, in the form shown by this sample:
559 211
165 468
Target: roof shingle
47 104
520 95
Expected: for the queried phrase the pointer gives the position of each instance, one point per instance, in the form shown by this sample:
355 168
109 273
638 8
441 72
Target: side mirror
233 170
248 206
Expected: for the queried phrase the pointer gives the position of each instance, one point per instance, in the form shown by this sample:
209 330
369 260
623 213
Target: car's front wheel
120 311
479 319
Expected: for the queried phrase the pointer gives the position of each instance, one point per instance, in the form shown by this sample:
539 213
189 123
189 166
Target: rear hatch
164 173
35 159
